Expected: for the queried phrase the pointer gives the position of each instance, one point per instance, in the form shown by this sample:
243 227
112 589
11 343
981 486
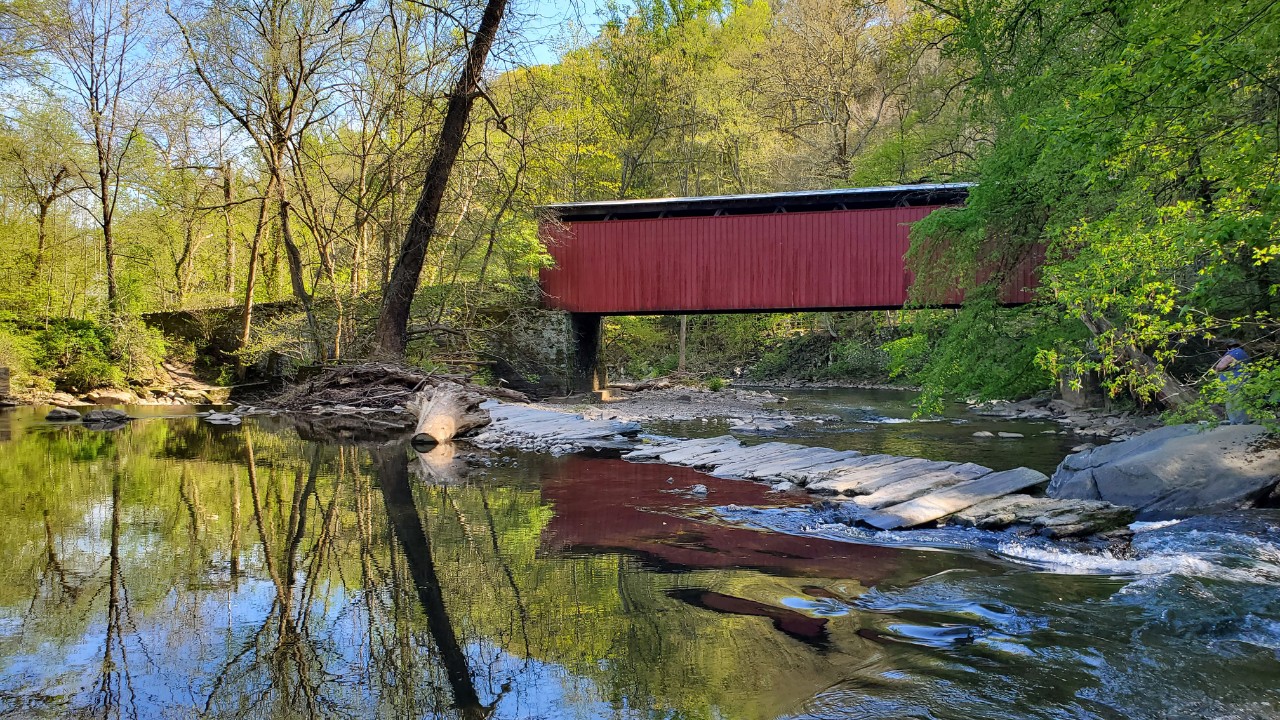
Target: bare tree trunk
393 321
228 194
246 313
297 282
108 244
684 335
42 236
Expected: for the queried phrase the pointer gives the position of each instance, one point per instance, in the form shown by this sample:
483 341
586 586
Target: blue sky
551 25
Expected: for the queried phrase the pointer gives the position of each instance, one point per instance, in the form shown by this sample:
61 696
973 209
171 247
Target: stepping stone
819 456
685 453
712 456
955 498
822 470
1051 517
900 472
912 488
739 462
847 482
652 450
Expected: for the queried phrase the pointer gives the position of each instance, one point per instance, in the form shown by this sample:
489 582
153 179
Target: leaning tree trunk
393 321
1172 393
447 411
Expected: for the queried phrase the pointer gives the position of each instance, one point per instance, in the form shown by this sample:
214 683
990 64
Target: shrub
854 359
907 355
18 353
75 355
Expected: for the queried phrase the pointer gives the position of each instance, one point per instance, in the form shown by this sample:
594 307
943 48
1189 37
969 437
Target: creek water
175 569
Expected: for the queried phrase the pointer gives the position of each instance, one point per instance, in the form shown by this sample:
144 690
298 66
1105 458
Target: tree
44 168
1136 145
393 320
102 62
263 63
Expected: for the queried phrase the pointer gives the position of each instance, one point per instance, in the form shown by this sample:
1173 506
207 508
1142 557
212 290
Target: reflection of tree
402 513
280 662
53 566
115 685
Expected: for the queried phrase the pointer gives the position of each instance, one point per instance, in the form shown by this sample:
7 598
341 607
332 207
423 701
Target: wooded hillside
204 154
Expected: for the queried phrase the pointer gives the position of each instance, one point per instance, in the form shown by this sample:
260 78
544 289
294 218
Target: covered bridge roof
890 196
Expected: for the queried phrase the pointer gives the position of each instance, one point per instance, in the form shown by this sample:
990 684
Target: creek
175 569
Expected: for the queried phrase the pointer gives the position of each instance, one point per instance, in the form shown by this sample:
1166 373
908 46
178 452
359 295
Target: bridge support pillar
586 373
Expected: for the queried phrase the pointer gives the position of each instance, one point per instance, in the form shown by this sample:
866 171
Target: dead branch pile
374 386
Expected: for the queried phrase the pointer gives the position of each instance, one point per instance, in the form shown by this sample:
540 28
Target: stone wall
4 383
531 349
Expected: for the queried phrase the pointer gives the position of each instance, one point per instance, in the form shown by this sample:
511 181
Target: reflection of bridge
819 250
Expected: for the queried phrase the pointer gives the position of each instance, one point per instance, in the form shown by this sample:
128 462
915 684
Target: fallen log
654 384
447 411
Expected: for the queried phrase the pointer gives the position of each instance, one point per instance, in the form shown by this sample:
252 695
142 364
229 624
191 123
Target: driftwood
654 384
447 411
374 386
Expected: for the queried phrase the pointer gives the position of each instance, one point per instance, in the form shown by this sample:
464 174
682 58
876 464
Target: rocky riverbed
173 384
746 410
1087 422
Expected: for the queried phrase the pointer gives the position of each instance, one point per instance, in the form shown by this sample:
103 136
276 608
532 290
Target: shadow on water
173 569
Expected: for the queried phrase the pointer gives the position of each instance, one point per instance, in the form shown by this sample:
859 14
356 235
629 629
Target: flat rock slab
914 487
869 469
802 461
536 429
1048 516
901 491
955 498
736 463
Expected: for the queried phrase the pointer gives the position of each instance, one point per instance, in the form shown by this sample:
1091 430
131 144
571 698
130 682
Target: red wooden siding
838 259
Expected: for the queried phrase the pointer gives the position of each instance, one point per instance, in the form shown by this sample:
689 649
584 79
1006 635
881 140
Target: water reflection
177 569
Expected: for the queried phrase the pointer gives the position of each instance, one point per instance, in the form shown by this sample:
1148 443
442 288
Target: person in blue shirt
1231 370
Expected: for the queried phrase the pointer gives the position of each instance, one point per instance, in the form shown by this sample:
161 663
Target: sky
552 25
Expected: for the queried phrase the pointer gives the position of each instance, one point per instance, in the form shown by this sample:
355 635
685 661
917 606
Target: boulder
110 396
221 418
60 414
61 399
1175 470
105 416
193 396
1049 517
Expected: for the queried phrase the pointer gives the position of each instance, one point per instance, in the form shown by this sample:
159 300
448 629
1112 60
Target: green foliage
637 346
1256 392
77 355
1135 145
715 384
855 359
907 355
821 357
988 352
18 352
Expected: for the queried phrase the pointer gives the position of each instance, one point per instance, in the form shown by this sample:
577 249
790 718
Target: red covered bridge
818 250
